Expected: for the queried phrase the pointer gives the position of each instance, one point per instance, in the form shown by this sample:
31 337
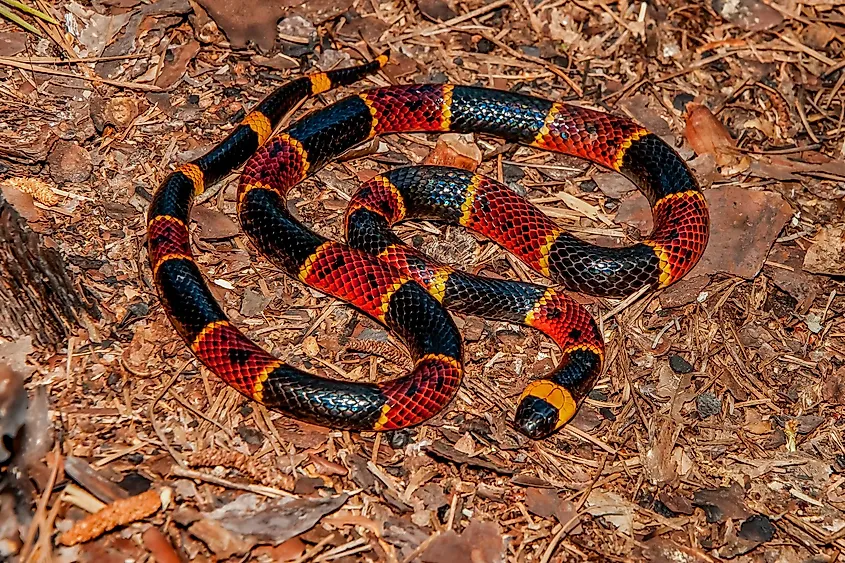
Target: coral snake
394 283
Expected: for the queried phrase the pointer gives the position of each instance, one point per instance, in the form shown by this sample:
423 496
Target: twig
76 60
258 489
42 506
94 79
456 20
627 302
159 432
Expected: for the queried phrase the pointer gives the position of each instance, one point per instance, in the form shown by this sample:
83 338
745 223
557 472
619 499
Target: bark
37 295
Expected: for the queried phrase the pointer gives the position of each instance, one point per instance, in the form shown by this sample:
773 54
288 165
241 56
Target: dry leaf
706 135
454 149
827 255
612 508
480 542
213 224
466 445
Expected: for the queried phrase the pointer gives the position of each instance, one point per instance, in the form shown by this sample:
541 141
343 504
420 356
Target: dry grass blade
11 16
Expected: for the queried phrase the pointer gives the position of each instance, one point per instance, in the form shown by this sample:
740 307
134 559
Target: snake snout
536 418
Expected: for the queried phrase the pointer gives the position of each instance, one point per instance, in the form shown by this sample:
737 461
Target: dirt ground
713 434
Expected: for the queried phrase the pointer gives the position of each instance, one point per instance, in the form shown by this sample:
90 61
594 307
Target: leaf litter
713 433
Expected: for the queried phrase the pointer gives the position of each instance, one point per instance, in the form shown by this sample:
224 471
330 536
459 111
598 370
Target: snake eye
536 418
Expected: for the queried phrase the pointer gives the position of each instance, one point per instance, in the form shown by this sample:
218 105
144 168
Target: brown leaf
662 550
684 291
466 445
275 520
326 467
480 542
213 224
724 503
796 282
175 69
706 135
541 502
160 547
444 450
827 255
12 43
400 66
223 543
676 502
547 503
290 550
833 390
437 10
613 185
587 419
245 22
743 226
456 150
638 107
817 35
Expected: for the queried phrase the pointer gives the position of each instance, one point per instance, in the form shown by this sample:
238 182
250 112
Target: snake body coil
395 284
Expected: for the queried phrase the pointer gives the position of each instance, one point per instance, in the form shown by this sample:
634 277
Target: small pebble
484 46
757 528
398 439
679 365
512 173
588 186
297 26
439 78
708 404
607 413
135 483
250 435
597 395
808 422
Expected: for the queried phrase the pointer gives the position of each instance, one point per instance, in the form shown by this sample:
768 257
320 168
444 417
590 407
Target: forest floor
714 431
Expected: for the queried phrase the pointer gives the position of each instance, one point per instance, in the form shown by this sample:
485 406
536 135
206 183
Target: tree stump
37 296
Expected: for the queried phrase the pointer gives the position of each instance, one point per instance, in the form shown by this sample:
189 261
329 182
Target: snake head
544 407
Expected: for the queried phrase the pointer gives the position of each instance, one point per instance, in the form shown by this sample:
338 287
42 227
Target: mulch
713 434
